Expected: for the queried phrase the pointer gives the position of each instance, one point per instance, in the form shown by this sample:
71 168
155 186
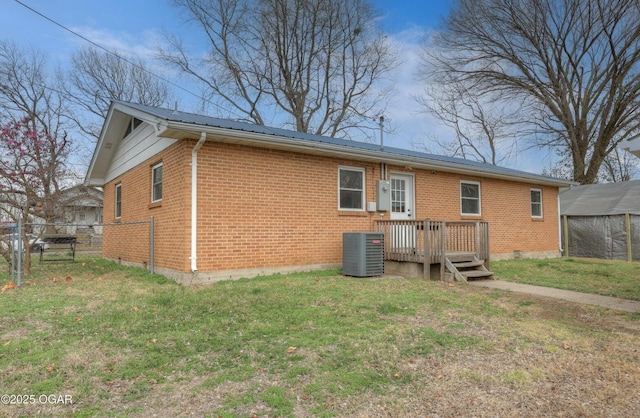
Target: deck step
461 257
475 274
468 264
464 269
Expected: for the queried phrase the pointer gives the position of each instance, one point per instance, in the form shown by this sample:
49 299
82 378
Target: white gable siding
136 148
633 147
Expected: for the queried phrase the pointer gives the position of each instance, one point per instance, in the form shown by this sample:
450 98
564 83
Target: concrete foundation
216 276
410 270
526 254
415 270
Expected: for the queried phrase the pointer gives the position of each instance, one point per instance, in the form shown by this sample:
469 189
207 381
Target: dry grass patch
123 343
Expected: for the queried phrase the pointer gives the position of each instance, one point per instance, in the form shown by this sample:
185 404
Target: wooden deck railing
420 240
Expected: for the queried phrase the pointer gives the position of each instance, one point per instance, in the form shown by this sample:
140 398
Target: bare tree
97 77
574 63
31 167
619 166
34 140
483 131
319 62
25 90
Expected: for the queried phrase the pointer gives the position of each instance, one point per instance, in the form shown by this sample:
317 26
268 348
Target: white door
402 197
403 237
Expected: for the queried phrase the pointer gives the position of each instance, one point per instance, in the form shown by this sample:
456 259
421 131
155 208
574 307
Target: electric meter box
383 195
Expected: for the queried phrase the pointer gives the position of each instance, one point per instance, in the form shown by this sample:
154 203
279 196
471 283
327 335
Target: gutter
194 202
268 141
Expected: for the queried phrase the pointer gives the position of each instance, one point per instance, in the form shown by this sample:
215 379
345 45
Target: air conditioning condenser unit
363 254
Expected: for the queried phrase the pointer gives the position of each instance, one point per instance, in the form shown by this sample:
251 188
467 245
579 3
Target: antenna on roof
381 132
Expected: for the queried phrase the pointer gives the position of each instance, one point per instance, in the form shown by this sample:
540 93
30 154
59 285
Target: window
470 198
351 188
156 182
118 200
398 196
131 126
536 203
98 215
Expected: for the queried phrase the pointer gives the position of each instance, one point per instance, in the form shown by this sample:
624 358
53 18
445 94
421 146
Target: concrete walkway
568 295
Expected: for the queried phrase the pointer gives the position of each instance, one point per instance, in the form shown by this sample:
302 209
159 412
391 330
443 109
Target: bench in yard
61 248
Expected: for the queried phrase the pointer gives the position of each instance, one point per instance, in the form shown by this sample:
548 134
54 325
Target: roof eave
107 143
172 129
89 180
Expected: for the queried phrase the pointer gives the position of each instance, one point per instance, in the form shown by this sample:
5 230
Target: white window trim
533 189
153 168
118 188
477 183
364 187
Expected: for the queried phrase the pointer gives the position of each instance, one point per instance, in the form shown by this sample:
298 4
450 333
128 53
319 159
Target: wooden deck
436 242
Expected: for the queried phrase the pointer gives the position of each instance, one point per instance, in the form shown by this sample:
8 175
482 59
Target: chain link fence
61 242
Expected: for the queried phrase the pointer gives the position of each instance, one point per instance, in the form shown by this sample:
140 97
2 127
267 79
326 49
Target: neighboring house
633 147
233 199
35 223
602 220
80 207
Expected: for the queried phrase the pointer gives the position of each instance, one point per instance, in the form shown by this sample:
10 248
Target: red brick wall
506 205
260 208
268 208
130 242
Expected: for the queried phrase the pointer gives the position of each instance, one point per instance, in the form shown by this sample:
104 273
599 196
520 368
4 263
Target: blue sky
136 26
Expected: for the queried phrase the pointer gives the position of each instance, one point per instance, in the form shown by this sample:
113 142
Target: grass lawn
602 277
120 342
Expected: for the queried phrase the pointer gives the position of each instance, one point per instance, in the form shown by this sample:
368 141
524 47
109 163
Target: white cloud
408 121
124 43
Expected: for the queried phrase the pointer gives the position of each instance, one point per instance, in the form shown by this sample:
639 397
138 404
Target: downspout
194 202
560 226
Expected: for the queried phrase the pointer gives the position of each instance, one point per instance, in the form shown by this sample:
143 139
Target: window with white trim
351 188
118 200
536 203
470 198
156 183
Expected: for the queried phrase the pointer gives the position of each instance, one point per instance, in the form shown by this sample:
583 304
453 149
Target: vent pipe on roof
382 133
194 202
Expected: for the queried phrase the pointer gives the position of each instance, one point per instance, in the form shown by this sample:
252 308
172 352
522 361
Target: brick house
233 199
